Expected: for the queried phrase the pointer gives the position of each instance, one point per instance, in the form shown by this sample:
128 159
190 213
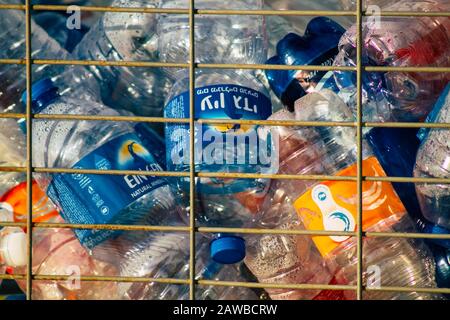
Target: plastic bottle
57 252
399 41
331 205
219 38
284 259
13 77
55 23
221 148
433 161
396 149
166 255
95 198
318 46
130 37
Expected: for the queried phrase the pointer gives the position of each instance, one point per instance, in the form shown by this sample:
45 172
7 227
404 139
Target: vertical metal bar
29 153
359 272
191 150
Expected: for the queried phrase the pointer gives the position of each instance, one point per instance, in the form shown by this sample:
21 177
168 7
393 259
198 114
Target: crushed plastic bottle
331 205
167 256
399 41
284 259
97 199
129 37
13 77
433 162
219 39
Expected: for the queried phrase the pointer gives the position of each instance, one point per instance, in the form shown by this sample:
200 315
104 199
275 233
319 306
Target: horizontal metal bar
407 235
104 63
45 7
276 285
275 231
429 125
405 69
12 61
273 67
229 175
155 64
6 6
409 289
281 123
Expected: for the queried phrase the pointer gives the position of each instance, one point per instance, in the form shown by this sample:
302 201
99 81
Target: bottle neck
44 100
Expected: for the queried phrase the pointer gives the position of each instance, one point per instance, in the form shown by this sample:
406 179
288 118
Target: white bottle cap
14 249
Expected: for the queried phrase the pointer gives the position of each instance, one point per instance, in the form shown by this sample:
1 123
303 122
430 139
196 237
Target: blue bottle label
220 147
98 199
433 116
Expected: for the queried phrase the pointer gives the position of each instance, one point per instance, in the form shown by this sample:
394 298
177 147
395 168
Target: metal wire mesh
192 229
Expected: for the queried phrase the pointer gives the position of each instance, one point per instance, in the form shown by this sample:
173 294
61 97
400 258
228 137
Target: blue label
433 116
98 199
225 101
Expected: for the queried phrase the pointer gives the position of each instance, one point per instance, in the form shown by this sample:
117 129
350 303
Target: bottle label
221 147
332 205
97 199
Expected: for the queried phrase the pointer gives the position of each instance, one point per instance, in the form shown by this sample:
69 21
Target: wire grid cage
192 229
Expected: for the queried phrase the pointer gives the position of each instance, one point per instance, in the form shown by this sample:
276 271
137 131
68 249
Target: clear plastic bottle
331 205
167 256
13 77
219 38
399 41
131 37
284 259
433 162
221 148
85 198
57 252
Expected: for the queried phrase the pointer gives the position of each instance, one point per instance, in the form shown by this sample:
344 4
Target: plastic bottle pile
151 198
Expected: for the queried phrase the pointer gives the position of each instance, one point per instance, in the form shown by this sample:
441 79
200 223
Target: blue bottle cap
38 89
228 249
317 46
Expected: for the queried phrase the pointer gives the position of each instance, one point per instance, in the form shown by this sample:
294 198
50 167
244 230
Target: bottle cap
228 249
38 89
14 249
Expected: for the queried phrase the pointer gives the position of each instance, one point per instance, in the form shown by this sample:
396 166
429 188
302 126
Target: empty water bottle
219 38
331 205
221 147
399 41
58 252
284 259
93 199
55 23
13 77
131 37
318 46
433 162
167 256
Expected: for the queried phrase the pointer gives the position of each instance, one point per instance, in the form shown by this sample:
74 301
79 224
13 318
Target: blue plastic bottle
122 199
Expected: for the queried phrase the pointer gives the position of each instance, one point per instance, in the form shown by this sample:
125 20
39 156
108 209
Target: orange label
332 205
